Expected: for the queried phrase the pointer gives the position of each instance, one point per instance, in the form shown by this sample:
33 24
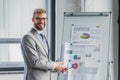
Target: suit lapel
37 36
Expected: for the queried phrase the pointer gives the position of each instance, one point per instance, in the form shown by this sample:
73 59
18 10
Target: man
36 51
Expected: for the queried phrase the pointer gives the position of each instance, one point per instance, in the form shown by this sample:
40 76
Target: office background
15 21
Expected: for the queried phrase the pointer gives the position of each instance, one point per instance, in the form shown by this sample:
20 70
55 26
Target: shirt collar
38 30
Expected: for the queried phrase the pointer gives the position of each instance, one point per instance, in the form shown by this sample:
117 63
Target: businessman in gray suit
35 50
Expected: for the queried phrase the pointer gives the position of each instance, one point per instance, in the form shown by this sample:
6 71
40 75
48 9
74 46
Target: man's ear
32 19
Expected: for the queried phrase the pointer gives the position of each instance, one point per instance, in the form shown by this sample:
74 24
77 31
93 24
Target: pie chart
75 65
85 35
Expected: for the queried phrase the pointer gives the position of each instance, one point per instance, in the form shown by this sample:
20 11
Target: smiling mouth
40 24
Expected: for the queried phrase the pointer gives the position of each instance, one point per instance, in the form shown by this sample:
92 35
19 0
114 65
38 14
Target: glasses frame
41 19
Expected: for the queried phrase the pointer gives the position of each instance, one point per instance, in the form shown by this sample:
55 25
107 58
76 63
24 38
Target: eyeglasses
40 19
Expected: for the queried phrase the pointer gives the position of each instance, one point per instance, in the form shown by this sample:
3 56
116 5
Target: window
15 21
10 50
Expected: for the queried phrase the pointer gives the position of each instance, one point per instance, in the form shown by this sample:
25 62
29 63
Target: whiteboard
85 44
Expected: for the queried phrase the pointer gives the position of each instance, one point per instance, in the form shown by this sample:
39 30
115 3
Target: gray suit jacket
36 57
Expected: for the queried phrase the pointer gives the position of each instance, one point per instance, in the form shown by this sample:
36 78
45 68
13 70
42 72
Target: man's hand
59 67
64 69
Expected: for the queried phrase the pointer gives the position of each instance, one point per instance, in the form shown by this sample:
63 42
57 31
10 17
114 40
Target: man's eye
41 18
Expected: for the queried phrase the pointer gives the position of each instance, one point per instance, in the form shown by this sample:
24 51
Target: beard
39 26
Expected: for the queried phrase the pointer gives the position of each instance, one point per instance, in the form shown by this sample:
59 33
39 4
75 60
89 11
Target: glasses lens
39 19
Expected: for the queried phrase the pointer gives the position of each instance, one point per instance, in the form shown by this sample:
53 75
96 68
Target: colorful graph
75 65
69 51
76 57
85 36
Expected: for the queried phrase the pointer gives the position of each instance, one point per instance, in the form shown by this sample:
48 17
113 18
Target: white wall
91 6
60 9
103 5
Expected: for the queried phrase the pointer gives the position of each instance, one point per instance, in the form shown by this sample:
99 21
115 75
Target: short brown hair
38 11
